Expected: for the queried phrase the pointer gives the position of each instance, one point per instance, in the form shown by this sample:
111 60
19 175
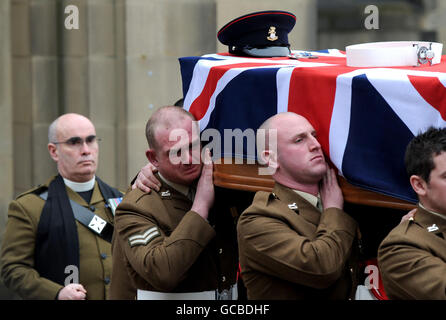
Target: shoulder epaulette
139 195
410 222
36 190
264 197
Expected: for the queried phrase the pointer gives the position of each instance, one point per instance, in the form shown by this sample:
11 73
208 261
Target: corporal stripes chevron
144 238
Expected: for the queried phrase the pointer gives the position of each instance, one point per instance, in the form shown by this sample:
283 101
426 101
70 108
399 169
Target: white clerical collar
309 197
80 186
179 187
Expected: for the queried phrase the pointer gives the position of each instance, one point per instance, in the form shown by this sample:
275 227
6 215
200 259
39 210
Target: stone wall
6 146
6 114
157 33
341 22
57 71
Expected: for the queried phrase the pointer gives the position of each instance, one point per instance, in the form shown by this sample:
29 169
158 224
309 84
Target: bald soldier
177 243
57 239
295 242
412 258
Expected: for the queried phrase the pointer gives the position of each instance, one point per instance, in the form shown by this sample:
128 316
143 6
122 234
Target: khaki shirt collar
289 196
309 197
427 218
179 187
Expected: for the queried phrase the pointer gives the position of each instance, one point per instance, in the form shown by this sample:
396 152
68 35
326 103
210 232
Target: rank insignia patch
144 238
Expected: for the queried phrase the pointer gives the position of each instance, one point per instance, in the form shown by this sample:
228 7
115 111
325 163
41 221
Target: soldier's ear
151 156
418 185
52 149
269 158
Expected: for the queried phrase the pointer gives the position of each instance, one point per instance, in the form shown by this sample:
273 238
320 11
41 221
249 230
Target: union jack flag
365 117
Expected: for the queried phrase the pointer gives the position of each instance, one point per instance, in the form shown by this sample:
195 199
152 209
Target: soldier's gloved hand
73 291
331 193
204 197
146 180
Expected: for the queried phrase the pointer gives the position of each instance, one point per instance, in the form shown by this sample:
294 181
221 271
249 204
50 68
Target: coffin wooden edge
246 177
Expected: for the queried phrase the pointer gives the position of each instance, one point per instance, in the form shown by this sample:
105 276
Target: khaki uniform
290 250
161 245
17 259
412 258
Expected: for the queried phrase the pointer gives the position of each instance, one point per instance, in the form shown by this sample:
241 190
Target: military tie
319 204
191 193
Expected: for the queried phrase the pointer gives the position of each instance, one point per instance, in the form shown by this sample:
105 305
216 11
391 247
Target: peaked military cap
259 34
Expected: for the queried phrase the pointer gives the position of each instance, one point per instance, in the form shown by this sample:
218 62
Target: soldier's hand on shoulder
331 193
73 291
146 180
408 215
204 197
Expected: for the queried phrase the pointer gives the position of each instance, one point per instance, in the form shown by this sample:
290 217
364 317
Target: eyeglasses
77 142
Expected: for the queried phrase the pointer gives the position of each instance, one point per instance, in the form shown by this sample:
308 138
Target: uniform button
223 279
92 208
103 255
107 280
220 251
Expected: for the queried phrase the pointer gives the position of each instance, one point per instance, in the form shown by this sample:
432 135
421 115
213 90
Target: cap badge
272 34
432 228
165 193
292 206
